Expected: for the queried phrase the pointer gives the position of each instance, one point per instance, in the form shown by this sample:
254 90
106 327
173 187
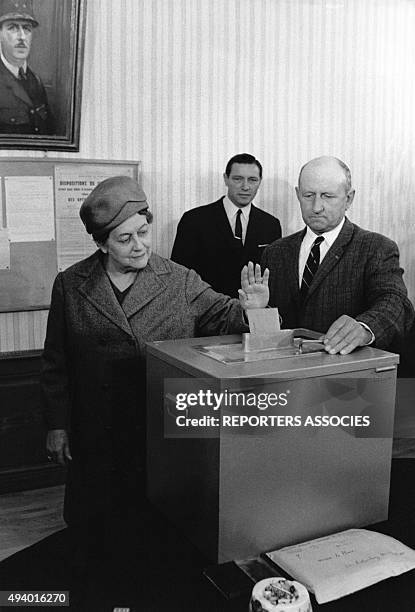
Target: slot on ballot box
254 477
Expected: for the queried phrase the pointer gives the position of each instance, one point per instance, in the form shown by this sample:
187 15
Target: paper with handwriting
345 562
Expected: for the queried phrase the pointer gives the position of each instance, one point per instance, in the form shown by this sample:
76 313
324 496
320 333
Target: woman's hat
110 203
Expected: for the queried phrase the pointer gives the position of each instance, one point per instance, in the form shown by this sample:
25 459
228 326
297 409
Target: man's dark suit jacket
205 242
21 113
359 276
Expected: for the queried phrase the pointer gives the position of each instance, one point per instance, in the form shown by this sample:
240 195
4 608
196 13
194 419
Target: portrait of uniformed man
24 107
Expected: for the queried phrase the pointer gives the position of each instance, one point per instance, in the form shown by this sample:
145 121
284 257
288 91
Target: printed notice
72 185
4 249
344 562
29 208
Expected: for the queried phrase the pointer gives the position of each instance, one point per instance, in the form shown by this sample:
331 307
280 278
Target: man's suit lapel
291 265
221 225
333 256
253 231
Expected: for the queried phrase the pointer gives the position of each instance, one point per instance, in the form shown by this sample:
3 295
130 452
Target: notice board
40 229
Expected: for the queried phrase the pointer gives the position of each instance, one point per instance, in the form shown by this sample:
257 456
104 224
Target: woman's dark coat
93 376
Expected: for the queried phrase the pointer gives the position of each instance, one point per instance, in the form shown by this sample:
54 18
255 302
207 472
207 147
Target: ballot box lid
188 355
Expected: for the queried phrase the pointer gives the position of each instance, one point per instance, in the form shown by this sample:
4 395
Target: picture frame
56 59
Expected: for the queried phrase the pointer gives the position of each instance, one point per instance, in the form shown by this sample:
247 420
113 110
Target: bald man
333 276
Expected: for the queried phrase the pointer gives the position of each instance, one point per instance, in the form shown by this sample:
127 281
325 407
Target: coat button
106 386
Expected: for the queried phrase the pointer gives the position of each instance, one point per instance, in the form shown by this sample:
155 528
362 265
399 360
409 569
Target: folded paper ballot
263 321
265 334
344 562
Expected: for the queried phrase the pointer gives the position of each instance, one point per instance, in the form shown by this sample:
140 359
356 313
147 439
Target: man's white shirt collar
13 69
231 210
329 237
309 237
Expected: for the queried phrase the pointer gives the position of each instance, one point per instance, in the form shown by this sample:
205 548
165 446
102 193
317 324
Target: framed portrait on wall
41 62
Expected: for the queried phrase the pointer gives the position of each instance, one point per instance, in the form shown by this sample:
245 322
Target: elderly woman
103 311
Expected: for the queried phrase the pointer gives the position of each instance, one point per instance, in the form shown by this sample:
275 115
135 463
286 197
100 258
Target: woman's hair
102 238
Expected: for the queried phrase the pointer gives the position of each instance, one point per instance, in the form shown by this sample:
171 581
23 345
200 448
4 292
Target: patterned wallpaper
182 85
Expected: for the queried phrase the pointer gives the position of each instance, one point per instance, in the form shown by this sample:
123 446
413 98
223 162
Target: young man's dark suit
359 276
205 242
24 106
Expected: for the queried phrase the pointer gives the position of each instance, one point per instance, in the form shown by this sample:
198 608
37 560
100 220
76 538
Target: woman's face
128 245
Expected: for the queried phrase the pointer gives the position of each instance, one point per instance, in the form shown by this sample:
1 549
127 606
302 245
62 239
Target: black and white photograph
207 291
41 73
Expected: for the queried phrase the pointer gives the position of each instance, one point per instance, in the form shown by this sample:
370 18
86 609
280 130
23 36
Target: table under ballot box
251 450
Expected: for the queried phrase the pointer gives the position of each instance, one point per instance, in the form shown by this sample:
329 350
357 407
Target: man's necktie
238 225
22 74
311 266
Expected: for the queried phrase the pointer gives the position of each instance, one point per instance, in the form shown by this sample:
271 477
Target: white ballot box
249 452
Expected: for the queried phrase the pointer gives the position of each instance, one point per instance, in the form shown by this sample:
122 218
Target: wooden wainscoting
23 461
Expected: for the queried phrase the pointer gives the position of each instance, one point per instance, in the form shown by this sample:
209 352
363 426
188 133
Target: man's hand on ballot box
346 334
254 292
343 336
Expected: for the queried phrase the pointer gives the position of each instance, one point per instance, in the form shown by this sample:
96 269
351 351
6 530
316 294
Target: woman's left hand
254 292
57 446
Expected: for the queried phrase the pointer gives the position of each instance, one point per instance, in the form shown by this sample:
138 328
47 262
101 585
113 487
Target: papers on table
345 562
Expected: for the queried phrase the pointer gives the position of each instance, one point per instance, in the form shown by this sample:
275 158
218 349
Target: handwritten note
345 562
